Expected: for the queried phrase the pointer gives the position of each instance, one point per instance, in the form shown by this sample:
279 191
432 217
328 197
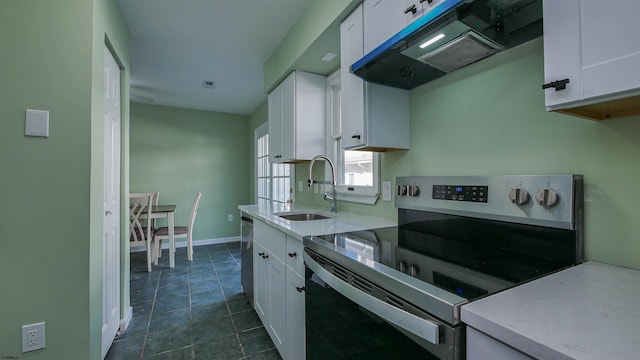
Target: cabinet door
382 20
288 120
275 124
260 281
424 7
594 45
562 50
295 316
610 46
276 313
352 104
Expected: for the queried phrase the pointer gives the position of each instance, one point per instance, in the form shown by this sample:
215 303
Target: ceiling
176 45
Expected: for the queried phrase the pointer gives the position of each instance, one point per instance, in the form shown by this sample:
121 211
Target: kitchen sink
303 216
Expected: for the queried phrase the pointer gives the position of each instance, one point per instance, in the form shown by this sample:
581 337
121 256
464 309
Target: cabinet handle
266 256
300 289
278 156
356 137
558 84
411 9
428 1
292 254
261 255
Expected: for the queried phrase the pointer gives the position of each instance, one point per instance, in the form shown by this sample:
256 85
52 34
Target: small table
169 212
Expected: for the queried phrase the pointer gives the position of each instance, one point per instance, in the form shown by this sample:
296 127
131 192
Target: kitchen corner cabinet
385 18
279 289
374 117
296 118
592 58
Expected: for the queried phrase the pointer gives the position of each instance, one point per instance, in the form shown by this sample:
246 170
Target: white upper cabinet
374 117
296 118
592 57
385 18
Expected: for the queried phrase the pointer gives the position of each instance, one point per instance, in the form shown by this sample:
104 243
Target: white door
111 204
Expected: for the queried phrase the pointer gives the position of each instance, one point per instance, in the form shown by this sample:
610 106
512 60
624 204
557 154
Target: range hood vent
452 35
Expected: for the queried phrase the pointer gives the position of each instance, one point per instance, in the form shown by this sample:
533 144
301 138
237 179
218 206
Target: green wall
51 189
489 118
179 152
317 17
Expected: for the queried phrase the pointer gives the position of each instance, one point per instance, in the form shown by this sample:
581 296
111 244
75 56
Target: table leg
172 240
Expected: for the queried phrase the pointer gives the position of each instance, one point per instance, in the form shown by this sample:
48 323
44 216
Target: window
357 171
273 180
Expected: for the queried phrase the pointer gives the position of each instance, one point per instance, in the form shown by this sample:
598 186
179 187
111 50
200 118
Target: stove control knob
547 198
401 190
402 266
519 196
413 190
413 271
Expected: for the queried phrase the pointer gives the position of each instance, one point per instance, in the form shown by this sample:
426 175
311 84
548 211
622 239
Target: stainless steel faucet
330 198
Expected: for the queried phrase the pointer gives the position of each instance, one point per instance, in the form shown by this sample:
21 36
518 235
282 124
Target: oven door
351 322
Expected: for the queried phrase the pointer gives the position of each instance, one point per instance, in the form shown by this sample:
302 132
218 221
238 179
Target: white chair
179 232
140 232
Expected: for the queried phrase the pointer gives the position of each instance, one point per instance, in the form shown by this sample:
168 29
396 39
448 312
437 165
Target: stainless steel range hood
452 35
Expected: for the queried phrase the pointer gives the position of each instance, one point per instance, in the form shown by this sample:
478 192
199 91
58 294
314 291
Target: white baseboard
124 323
181 244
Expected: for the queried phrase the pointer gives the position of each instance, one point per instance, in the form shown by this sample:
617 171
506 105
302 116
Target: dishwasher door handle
422 328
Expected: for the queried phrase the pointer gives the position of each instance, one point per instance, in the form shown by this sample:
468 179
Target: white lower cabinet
276 313
482 347
295 316
278 289
260 280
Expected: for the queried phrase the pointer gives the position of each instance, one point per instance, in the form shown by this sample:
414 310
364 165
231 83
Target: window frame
358 194
259 132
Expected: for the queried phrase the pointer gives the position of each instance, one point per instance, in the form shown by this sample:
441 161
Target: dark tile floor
194 311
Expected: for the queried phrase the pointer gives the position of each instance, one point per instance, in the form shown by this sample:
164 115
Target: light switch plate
386 191
300 186
36 123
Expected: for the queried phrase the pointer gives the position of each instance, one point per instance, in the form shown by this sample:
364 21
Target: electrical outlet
230 217
33 337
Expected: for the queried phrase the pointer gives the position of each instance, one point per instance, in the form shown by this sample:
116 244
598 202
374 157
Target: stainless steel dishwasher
246 233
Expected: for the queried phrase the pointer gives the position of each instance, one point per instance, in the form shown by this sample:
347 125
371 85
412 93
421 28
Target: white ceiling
177 44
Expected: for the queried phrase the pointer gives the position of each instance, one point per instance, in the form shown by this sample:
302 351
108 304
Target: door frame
126 311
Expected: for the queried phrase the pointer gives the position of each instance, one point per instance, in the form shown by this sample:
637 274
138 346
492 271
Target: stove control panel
472 193
544 200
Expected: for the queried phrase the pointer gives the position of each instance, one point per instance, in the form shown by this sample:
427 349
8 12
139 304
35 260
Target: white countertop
590 311
337 223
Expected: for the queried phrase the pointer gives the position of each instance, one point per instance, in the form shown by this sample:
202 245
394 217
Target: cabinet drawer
294 255
272 239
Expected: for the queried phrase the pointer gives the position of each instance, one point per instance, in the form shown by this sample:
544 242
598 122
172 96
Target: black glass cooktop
467 256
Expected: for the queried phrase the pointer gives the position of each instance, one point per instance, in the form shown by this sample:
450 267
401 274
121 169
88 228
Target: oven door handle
422 328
